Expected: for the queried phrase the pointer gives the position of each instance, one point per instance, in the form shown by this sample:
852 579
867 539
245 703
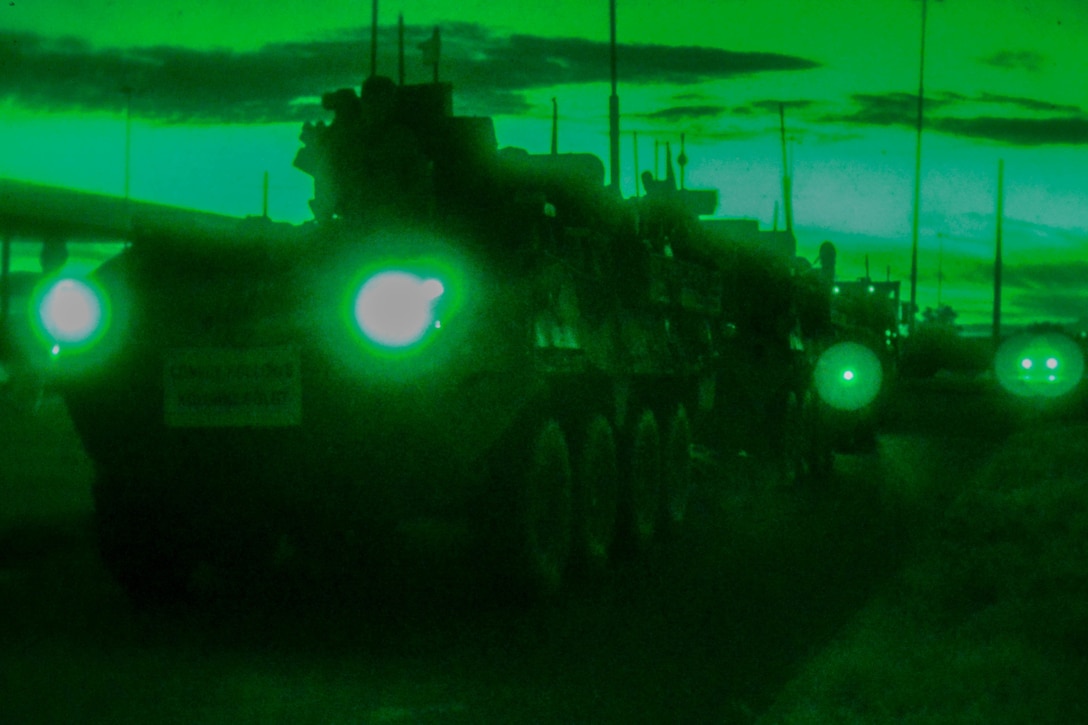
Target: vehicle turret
393 152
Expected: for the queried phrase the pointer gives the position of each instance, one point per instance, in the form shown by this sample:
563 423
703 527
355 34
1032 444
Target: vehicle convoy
462 330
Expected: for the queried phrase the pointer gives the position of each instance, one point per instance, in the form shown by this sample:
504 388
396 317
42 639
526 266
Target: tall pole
787 202
555 126
400 48
940 269
264 196
373 37
997 252
5 279
437 39
917 179
613 107
127 90
682 160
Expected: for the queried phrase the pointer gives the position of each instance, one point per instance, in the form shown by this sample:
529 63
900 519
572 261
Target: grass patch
988 621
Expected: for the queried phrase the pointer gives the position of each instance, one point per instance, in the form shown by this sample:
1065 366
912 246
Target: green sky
220 89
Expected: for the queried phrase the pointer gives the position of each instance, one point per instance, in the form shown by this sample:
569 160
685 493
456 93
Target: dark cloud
490 71
483 63
173 84
1049 277
1053 306
1044 277
1042 290
1018 131
691 96
686 113
1029 104
1015 59
890 109
901 109
771 106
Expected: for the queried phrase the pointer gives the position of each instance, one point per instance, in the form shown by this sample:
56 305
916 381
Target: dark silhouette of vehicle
462 330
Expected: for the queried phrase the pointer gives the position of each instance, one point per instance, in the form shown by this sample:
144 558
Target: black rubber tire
676 473
152 566
544 513
820 450
596 498
793 457
641 490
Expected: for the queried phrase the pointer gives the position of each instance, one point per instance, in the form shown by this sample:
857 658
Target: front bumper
366 443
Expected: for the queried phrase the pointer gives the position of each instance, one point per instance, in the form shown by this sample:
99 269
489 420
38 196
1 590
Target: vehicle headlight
848 376
71 313
396 309
1044 365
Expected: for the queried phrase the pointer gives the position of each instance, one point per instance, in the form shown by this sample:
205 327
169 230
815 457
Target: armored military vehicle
462 329
865 316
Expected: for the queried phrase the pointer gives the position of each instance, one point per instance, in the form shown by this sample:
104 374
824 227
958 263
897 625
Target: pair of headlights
1040 365
393 309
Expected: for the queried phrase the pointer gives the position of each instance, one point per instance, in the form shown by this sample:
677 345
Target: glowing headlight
396 309
1045 365
848 376
71 312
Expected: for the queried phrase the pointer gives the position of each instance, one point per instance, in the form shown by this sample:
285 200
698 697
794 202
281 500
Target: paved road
704 629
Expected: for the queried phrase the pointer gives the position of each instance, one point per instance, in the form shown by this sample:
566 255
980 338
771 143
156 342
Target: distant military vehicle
463 329
864 313
1042 369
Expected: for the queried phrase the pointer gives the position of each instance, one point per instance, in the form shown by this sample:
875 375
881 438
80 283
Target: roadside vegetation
988 620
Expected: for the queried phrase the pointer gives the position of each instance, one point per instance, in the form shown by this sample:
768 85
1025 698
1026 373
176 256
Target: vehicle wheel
152 568
543 513
820 451
596 495
793 457
676 472
641 497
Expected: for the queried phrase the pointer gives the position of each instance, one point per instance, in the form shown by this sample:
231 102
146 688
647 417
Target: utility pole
373 38
400 49
997 252
555 126
5 280
127 90
682 161
264 196
787 192
917 180
940 268
613 108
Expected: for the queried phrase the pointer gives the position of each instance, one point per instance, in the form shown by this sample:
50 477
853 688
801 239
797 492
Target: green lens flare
71 312
1061 368
848 376
396 309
